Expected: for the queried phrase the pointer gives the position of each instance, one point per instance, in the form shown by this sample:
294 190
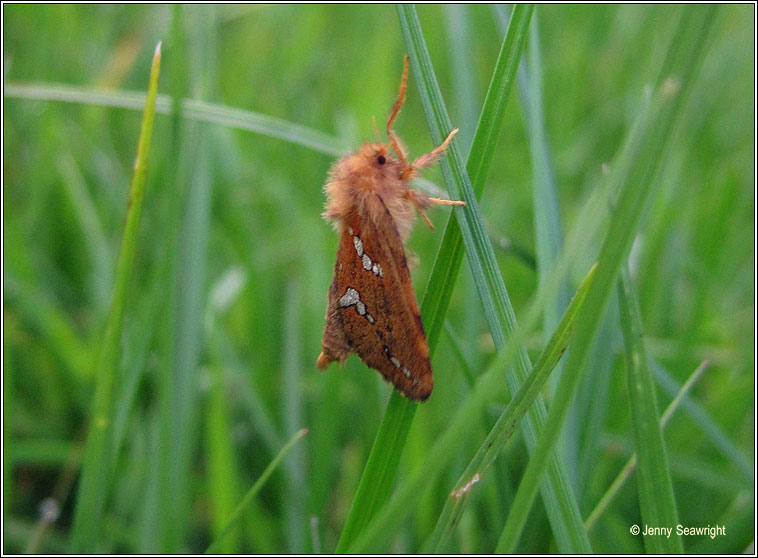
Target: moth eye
381 160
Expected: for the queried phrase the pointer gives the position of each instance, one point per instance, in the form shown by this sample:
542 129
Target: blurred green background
234 262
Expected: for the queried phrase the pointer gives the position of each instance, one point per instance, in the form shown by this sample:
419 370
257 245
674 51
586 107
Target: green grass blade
656 492
240 509
710 428
294 466
163 485
561 505
197 110
97 465
95 239
548 229
55 326
547 219
628 468
180 417
192 109
146 531
140 333
549 246
450 254
222 467
635 176
381 466
506 423
222 475
458 30
9 440
456 347
379 473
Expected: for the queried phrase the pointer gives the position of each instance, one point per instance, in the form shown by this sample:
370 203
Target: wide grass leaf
657 502
98 463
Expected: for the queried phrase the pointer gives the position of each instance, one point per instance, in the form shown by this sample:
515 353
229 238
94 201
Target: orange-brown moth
372 309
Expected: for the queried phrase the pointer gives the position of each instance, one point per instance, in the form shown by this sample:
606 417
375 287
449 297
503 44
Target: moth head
377 161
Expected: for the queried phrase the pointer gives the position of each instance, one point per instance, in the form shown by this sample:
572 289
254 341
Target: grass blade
222 467
192 109
710 428
561 505
222 474
240 509
635 176
458 27
548 234
506 423
183 332
657 502
628 468
547 219
296 491
379 473
450 254
97 465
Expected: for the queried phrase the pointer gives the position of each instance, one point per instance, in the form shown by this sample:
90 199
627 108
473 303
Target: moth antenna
376 131
399 149
400 96
419 201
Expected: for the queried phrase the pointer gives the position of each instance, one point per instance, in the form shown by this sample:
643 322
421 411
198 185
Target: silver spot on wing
353 298
358 243
350 297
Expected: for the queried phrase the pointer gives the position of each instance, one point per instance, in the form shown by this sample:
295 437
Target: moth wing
372 307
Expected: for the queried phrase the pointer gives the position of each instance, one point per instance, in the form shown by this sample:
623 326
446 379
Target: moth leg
429 158
428 222
439 201
420 201
412 259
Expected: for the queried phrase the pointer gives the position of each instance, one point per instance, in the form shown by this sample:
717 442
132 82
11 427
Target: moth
372 309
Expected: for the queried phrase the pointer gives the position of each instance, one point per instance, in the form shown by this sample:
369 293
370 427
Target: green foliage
213 368
97 465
